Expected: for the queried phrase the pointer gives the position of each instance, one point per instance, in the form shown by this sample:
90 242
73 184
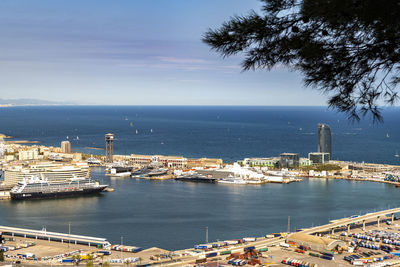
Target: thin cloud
182 60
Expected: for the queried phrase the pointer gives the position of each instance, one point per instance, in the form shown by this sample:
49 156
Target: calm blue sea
172 214
230 133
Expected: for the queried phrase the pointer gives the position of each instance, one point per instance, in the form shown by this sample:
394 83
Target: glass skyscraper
324 139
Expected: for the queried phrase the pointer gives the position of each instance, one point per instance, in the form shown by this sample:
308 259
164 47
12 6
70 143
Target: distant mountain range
30 101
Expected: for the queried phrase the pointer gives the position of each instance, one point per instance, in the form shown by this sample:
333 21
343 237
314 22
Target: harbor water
174 215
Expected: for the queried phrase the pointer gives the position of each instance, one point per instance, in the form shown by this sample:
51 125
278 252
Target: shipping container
212 254
225 252
326 257
249 248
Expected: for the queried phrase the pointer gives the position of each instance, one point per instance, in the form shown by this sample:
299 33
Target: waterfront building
261 162
204 162
63 156
65 147
289 160
372 167
28 154
52 171
305 162
324 139
319 157
177 162
109 147
2 147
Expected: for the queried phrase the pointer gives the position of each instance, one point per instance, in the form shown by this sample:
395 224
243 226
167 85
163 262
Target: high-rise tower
109 147
324 139
65 147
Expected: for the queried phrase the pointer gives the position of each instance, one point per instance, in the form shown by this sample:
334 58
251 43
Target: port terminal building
52 171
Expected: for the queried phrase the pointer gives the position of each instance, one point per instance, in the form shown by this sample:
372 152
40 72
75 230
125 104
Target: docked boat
195 178
232 180
40 188
119 172
157 172
139 172
93 161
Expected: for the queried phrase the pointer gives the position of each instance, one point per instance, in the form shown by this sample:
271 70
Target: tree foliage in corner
349 49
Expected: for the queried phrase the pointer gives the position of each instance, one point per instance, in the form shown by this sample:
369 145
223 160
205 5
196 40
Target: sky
132 52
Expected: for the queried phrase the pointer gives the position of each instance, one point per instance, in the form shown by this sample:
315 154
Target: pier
347 222
53 236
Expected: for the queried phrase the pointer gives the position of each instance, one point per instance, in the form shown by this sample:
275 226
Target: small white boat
120 174
232 180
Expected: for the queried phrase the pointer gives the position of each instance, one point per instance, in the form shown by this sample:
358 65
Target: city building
2 147
203 162
65 147
52 171
261 162
28 154
324 139
305 162
319 157
167 161
289 160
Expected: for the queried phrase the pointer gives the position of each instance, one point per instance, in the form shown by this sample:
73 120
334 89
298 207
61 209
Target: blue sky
133 52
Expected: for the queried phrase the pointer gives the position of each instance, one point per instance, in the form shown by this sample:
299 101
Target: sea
174 215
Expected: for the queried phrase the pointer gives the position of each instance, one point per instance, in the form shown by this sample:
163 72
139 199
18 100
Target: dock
54 236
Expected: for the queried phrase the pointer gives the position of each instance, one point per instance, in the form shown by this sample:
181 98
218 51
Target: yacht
232 180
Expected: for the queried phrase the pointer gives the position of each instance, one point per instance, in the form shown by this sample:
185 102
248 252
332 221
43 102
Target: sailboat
137 131
397 154
387 135
151 130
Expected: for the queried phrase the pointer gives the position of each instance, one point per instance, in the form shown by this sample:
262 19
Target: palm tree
77 259
90 257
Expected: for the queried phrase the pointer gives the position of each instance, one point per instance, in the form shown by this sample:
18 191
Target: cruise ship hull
56 194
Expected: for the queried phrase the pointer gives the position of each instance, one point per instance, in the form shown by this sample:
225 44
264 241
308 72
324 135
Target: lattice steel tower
109 147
